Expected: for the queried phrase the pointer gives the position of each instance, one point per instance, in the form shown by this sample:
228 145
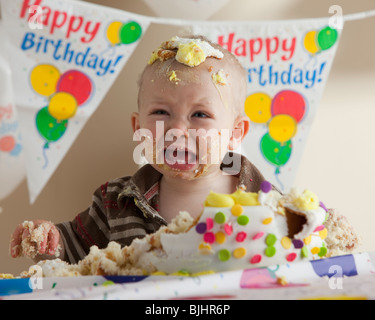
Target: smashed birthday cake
235 231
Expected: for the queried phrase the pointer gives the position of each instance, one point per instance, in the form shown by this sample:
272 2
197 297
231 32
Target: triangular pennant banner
287 64
186 9
12 167
65 55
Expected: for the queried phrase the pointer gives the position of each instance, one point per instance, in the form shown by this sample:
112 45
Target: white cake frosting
225 238
235 231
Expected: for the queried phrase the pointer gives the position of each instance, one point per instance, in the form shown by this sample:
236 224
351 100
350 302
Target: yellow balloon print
44 79
258 107
113 32
310 42
282 128
62 106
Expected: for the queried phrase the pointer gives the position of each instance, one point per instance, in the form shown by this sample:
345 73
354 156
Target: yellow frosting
219 200
190 54
239 197
219 78
173 77
246 198
307 201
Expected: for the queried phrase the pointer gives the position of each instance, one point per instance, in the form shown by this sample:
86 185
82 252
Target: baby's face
190 115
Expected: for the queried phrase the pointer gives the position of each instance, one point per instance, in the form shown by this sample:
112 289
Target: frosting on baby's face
189 85
194 103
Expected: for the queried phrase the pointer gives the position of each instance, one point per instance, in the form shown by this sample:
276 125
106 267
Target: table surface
342 277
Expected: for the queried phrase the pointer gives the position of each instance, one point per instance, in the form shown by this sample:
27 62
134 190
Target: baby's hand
32 238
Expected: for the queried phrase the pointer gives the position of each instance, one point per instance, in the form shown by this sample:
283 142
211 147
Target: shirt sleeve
89 228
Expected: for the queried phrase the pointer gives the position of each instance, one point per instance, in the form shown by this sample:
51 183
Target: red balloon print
77 84
7 143
289 102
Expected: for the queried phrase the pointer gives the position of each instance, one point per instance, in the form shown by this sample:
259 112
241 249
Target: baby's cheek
212 148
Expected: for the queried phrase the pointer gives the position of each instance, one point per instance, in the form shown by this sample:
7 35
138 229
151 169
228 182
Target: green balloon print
327 37
50 128
275 152
130 32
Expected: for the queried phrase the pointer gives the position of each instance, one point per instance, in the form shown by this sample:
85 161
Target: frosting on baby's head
191 52
181 61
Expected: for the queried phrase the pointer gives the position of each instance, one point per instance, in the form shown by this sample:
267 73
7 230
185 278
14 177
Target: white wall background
338 163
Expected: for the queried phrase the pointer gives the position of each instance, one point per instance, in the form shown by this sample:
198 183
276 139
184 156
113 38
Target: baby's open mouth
180 159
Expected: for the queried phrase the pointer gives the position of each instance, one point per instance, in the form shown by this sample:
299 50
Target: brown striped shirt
127 208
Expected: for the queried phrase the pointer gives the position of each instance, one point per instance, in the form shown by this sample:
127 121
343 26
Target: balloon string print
65 93
119 33
281 114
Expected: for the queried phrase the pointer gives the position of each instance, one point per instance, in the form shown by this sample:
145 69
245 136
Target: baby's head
183 61
191 84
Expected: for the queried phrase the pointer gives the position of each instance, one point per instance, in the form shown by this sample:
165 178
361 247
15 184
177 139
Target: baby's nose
179 126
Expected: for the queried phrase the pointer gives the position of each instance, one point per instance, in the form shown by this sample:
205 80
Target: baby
190 118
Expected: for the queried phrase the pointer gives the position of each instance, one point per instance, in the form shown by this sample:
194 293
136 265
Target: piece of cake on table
235 231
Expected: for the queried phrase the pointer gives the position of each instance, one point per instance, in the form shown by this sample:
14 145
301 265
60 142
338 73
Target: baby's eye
160 112
200 115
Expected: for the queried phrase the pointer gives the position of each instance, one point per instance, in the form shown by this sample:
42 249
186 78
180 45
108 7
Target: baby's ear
135 121
240 129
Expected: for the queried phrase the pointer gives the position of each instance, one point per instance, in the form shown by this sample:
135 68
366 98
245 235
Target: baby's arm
38 240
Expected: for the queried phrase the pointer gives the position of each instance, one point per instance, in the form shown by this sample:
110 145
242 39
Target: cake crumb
341 236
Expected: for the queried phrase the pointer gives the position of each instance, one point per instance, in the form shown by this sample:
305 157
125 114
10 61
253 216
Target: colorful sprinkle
220 237
228 229
315 250
205 247
209 237
243 220
270 251
323 234
224 255
304 252
265 186
209 223
298 244
322 252
286 242
267 221
291 257
321 204
239 253
258 235
220 217
307 240
271 239
256 259
201 228
237 210
241 236
319 228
